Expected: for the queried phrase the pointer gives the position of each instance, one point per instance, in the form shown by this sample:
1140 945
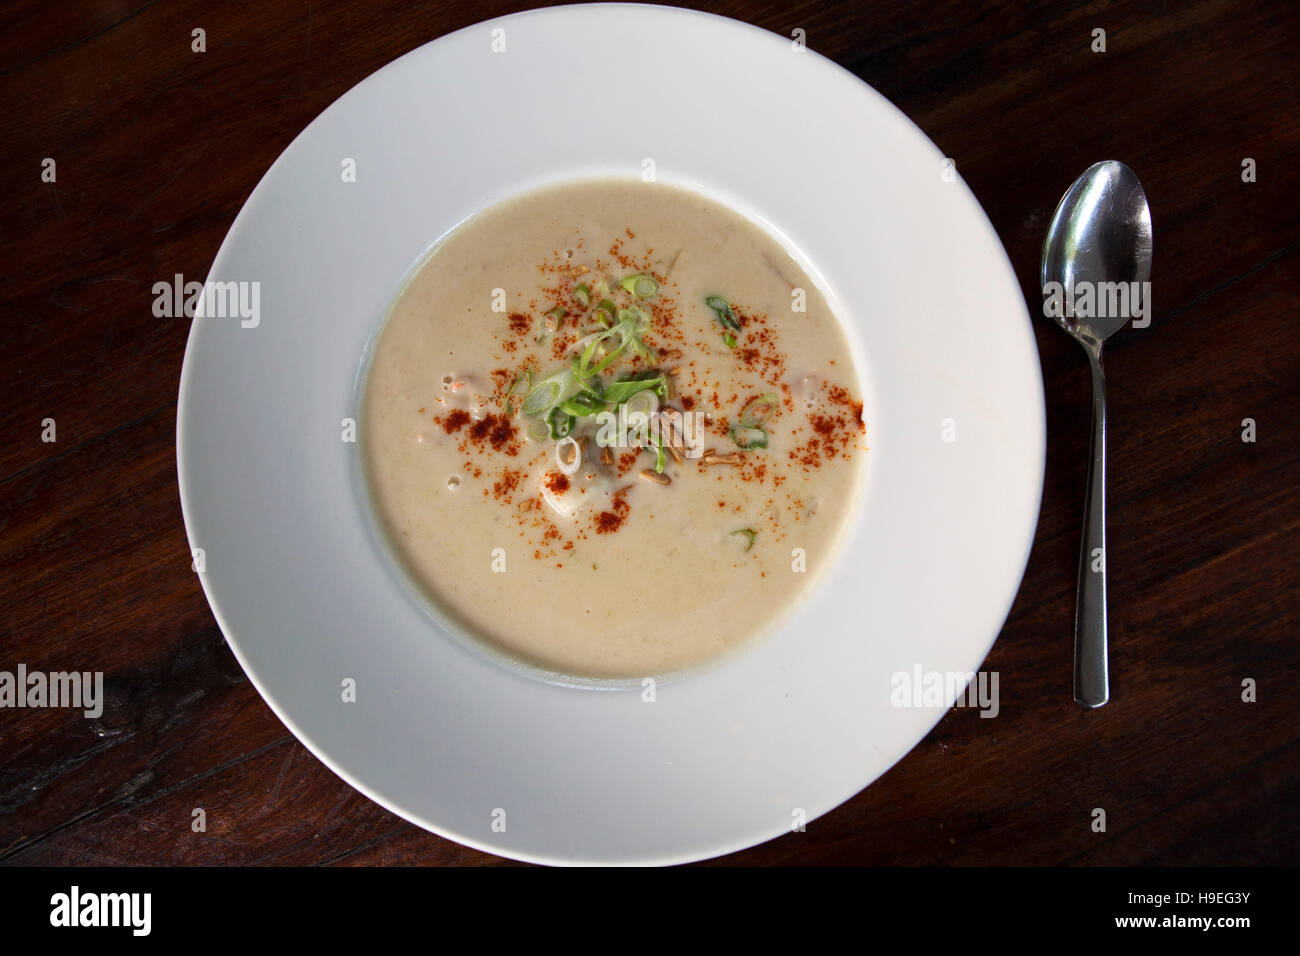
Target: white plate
724 758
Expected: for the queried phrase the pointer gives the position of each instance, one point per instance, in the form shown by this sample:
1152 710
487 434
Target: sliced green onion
584 370
548 393
633 318
750 534
557 315
525 376
642 403
544 396
748 436
725 313
729 339
610 358
620 391
559 423
592 386
581 405
640 285
582 294
659 454
631 322
758 410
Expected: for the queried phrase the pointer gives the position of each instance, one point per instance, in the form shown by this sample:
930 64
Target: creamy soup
612 429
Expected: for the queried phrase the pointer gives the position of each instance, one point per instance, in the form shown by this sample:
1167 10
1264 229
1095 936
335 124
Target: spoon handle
1091 682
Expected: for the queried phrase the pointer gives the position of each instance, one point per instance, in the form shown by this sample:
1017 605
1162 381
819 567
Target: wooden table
157 147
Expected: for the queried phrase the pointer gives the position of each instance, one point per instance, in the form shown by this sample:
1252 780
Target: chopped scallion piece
554 319
642 403
758 410
631 323
560 423
729 339
632 318
640 285
750 534
581 405
610 358
582 294
658 448
527 378
748 436
620 391
548 393
592 386
583 370
537 430
726 315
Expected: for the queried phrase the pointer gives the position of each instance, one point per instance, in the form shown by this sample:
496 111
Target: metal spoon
1100 233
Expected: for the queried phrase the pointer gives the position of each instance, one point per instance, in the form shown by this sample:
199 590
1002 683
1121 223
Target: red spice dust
607 522
455 421
823 424
503 490
494 430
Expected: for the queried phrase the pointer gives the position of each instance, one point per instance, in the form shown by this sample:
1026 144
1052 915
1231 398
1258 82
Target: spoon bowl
1100 233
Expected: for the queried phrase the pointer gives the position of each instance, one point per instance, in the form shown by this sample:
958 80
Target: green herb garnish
725 313
548 393
555 404
748 437
640 285
527 377
582 405
631 323
726 317
658 447
750 534
556 316
758 410
620 391
559 423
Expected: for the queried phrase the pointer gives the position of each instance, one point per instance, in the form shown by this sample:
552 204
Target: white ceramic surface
724 758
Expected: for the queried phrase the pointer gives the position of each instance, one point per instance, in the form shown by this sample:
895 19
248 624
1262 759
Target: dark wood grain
158 147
